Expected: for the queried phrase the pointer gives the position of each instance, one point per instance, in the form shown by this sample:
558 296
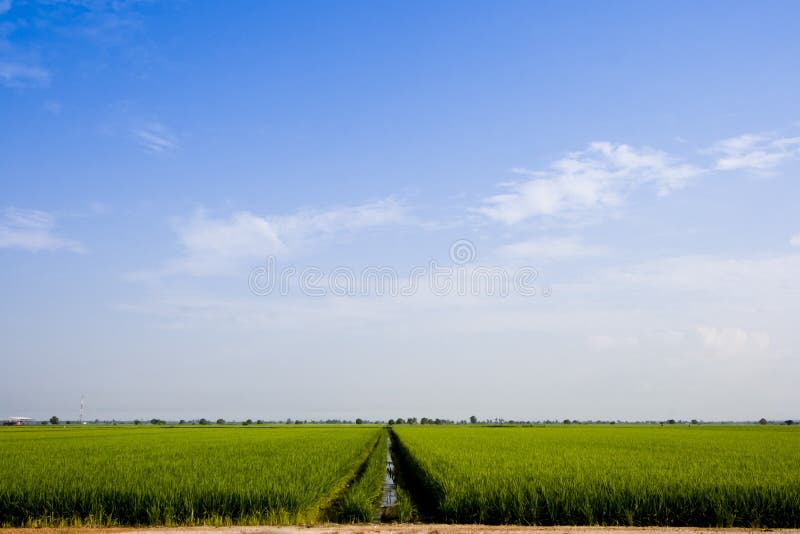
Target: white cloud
554 248
342 219
754 152
795 240
218 245
32 230
605 174
733 341
214 245
156 139
601 176
20 75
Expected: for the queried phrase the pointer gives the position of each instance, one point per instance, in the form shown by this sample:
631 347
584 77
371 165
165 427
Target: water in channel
389 498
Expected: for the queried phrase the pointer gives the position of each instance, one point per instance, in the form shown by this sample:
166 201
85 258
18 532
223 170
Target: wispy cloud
725 342
13 74
214 245
310 223
156 138
5 5
795 240
754 152
550 248
601 176
219 245
32 230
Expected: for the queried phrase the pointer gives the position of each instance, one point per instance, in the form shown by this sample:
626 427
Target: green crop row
361 499
173 476
605 475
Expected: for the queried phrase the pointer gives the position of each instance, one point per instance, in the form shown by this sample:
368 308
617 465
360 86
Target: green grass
361 500
404 509
606 475
175 476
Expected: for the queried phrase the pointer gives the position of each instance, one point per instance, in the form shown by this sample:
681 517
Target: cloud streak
599 177
604 175
155 138
754 152
19 75
220 245
32 230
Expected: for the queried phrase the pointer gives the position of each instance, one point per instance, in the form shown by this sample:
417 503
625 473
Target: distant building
15 421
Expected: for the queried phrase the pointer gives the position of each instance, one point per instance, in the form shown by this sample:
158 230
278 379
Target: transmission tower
83 408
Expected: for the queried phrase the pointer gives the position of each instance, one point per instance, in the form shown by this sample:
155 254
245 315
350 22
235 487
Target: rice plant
607 475
360 501
175 476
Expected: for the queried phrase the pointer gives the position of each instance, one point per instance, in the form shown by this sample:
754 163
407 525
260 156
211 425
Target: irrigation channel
389 498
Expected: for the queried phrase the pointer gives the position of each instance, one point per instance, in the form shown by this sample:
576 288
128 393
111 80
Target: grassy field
176 476
361 500
568 475
605 475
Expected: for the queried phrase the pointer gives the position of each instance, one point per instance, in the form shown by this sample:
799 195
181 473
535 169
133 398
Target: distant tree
390 422
54 420
411 420
203 421
670 421
567 422
182 422
400 421
359 421
248 422
220 421
259 422
137 422
473 420
155 421
789 422
762 421
695 422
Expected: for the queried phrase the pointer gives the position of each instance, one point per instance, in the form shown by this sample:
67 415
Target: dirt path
396 529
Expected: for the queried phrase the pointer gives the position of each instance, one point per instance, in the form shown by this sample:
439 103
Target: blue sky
641 157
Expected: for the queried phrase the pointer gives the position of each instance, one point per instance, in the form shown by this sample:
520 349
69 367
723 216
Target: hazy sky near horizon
160 160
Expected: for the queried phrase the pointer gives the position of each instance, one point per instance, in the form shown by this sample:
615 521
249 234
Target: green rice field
605 475
177 476
640 475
